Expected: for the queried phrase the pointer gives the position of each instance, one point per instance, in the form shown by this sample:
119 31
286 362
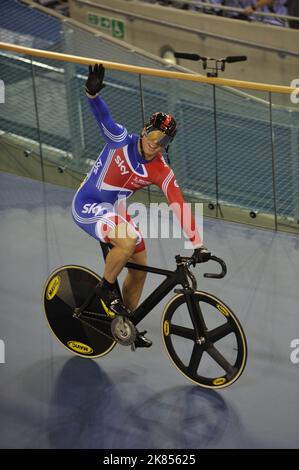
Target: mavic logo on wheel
219 381
2 352
223 310
80 347
53 288
166 328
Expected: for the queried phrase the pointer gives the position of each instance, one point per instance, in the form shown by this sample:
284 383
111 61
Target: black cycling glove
201 255
94 83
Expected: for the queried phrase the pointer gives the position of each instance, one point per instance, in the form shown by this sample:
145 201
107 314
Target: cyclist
127 163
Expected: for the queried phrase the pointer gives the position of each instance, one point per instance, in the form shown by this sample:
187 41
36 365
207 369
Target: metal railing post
273 161
72 94
44 190
143 122
216 152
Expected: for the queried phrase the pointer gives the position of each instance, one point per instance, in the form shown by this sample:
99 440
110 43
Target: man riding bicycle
127 162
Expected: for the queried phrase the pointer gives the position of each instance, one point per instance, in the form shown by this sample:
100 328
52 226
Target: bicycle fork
197 318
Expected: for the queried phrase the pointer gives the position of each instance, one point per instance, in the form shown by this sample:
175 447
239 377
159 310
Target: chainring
123 331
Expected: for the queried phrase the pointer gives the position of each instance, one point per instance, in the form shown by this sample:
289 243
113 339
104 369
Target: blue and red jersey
119 171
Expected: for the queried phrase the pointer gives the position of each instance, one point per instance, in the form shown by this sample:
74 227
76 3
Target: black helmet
164 123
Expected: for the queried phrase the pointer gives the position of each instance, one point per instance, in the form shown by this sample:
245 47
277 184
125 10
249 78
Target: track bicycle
202 336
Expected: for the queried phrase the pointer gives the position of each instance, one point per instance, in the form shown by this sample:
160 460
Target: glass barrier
236 152
286 165
244 157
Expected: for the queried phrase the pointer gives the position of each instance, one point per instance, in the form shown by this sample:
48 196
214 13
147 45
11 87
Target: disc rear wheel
87 334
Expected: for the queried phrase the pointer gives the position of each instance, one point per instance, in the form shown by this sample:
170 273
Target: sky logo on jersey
96 167
94 209
120 163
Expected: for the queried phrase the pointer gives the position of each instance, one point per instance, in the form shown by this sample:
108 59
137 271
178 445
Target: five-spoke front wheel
208 345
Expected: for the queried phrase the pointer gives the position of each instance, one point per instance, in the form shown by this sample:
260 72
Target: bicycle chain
97 315
94 328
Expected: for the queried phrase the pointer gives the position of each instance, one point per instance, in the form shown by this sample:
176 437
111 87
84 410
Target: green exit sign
110 25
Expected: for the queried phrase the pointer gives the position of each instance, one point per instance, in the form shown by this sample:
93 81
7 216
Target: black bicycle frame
173 278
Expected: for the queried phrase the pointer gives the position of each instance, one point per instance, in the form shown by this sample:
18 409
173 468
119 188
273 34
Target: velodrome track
51 399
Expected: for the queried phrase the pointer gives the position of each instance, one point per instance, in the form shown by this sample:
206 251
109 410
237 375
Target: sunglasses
161 139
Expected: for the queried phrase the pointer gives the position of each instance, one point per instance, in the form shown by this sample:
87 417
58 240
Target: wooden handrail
146 70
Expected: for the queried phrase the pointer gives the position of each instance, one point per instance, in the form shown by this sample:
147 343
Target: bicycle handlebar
223 266
211 275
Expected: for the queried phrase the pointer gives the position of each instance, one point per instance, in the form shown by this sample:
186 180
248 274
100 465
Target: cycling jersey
118 172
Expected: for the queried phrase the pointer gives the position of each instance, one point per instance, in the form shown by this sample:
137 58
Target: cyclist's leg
115 229
119 230
127 245
134 281
123 239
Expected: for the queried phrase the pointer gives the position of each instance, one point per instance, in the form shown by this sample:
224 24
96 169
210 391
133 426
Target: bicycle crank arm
123 331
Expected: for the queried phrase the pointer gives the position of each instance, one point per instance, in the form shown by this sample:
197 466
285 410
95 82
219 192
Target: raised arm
167 182
114 134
